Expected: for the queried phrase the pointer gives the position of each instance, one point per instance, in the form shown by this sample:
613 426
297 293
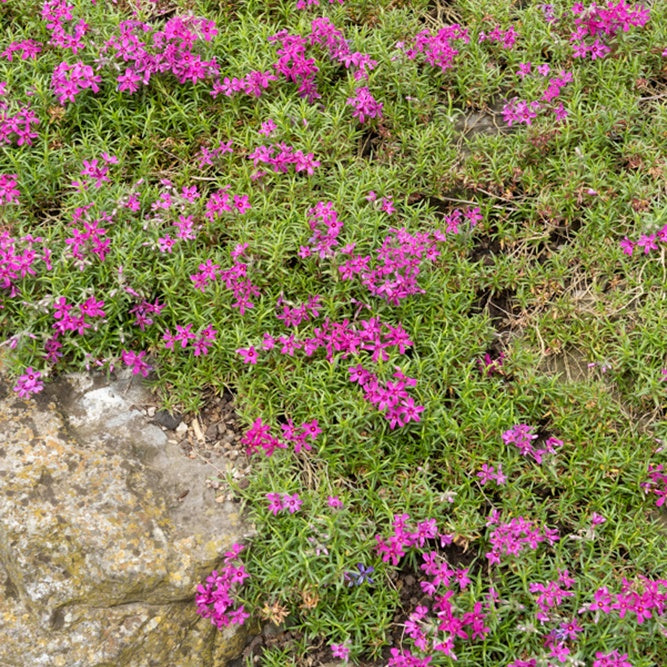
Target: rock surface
106 529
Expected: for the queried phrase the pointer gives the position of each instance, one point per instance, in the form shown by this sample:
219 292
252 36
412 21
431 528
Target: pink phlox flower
365 105
276 502
647 242
248 354
292 503
612 659
340 651
335 502
28 383
136 362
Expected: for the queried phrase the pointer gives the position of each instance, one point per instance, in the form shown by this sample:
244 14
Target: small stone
167 420
182 429
151 411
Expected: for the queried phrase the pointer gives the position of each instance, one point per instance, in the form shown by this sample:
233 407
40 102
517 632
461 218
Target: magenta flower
647 241
29 383
597 519
524 69
365 105
340 651
129 81
136 362
292 503
335 502
248 354
215 599
8 192
276 503
612 659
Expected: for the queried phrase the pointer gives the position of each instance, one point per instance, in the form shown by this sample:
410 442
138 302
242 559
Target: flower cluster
68 81
612 659
398 260
437 634
280 156
234 278
371 335
386 204
142 313
96 171
169 50
340 651
201 342
222 201
29 383
135 360
280 502
254 83
206 155
326 226
522 436
17 125
513 537
490 366
394 547
91 239
438 50
600 23
523 111
390 398
215 599
325 33
506 38
29 48
69 319
646 242
520 111
294 316
365 105
551 594
489 473
9 194
55 14
640 598
258 436
657 483
294 65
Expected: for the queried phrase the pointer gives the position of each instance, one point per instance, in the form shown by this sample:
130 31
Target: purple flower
358 578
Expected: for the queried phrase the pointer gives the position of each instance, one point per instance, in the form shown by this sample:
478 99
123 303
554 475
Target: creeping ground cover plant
423 244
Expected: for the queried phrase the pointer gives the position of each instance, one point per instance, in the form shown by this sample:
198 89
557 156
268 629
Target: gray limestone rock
106 529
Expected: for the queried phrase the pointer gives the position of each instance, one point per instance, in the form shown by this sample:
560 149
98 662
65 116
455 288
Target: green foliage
541 279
